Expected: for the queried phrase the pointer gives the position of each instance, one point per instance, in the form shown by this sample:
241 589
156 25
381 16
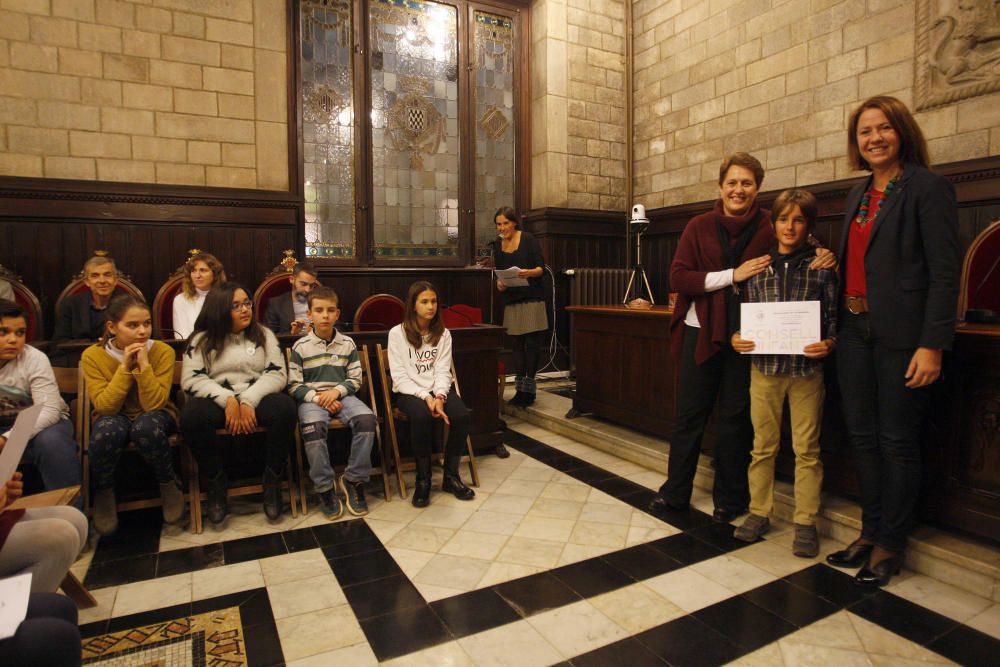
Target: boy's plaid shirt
794 281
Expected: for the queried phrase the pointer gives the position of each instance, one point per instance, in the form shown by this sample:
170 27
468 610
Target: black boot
218 501
422 489
452 482
272 494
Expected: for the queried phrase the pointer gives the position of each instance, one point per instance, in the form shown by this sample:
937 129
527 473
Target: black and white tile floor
555 562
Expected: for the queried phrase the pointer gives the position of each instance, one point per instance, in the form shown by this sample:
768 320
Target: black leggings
201 416
526 351
422 424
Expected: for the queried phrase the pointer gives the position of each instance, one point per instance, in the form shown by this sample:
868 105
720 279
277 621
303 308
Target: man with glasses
290 314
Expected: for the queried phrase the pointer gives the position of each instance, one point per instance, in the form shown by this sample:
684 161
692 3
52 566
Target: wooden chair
25 298
243 487
379 312
367 394
189 468
980 286
393 414
275 284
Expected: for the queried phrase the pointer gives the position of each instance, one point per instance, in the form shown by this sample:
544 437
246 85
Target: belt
856 305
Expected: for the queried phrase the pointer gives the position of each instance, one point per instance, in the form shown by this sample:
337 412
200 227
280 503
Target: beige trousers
805 401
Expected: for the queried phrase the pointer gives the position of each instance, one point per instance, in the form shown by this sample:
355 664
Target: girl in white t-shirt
420 364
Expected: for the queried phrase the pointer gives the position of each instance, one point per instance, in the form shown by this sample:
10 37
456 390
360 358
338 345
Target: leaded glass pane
493 63
414 118
328 128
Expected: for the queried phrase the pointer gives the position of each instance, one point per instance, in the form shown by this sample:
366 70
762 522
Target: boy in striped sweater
324 375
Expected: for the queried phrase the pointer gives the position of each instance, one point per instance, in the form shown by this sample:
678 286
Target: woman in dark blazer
900 259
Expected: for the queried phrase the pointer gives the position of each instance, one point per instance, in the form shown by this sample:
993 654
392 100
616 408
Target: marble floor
556 561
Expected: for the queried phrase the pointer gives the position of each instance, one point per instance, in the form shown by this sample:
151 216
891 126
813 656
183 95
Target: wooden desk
624 370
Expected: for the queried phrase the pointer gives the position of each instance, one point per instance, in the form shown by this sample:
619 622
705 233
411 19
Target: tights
526 351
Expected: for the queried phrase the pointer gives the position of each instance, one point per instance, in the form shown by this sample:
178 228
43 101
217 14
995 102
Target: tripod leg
649 290
628 288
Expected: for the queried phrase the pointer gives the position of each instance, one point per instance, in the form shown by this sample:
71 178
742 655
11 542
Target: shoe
501 452
528 399
272 494
422 493
725 516
518 399
105 511
879 575
173 502
752 528
330 505
855 555
218 498
659 504
806 542
452 483
354 496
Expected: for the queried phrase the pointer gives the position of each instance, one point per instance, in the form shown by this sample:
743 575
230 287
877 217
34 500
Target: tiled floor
556 561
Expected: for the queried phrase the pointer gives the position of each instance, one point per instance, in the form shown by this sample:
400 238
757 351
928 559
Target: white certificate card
784 327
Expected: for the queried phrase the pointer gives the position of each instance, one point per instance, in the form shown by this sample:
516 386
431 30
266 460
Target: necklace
863 217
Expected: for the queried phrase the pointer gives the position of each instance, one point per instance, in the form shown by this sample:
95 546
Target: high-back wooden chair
25 298
275 284
980 286
189 468
393 414
242 487
367 394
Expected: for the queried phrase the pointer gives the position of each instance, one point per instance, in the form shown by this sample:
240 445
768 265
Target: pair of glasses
240 305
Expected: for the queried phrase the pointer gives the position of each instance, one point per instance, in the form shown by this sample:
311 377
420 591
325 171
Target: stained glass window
328 128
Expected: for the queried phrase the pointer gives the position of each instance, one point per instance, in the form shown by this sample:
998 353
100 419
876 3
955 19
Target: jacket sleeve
937 216
107 395
195 379
64 323
829 304
154 382
399 367
297 387
442 366
685 276
274 377
272 319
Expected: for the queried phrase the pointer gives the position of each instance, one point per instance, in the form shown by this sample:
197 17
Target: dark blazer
912 262
280 313
73 318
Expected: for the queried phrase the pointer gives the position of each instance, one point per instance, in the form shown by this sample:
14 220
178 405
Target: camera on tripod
639 222
638 293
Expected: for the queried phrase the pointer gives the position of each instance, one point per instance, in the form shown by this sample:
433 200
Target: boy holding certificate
797 376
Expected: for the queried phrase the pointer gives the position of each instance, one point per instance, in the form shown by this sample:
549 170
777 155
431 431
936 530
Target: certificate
784 327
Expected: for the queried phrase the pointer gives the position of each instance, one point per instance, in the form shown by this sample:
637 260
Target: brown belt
856 305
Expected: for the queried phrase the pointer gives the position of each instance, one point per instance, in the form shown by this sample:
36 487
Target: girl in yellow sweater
128 378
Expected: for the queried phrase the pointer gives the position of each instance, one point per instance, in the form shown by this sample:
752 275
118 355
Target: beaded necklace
863 217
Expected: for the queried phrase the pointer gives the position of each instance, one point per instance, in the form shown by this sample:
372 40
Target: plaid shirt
792 280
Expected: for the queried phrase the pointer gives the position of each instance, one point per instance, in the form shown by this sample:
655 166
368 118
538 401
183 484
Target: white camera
639 213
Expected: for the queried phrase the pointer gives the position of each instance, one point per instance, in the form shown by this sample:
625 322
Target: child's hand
233 415
740 345
142 358
248 417
438 410
329 399
12 490
820 349
130 356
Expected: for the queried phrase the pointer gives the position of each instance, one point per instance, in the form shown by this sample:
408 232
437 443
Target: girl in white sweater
420 364
201 271
234 370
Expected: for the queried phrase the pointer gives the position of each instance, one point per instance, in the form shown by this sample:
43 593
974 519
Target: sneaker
330 505
752 528
354 495
806 542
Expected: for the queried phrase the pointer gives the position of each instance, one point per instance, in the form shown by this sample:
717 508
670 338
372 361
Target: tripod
638 277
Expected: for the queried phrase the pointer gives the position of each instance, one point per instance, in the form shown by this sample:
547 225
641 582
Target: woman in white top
420 364
201 272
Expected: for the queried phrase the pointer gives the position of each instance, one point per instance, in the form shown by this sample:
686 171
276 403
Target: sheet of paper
14 593
11 454
509 277
784 327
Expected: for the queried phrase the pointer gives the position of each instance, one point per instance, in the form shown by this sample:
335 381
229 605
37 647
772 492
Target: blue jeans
884 421
315 422
53 452
149 431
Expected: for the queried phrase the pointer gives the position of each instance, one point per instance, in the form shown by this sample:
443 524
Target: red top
857 244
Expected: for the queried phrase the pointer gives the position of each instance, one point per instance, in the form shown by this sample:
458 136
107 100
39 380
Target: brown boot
173 502
105 512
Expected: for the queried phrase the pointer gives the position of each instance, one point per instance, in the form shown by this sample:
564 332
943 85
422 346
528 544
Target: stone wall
188 92
777 78
578 104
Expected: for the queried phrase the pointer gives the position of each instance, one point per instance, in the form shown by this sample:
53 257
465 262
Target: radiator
597 287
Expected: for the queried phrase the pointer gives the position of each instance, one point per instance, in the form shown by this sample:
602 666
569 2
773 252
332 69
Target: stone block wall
777 78
187 92
578 103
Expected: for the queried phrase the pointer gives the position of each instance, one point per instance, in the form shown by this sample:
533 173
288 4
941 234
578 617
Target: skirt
526 317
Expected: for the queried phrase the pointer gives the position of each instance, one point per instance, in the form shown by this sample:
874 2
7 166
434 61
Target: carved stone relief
958 50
